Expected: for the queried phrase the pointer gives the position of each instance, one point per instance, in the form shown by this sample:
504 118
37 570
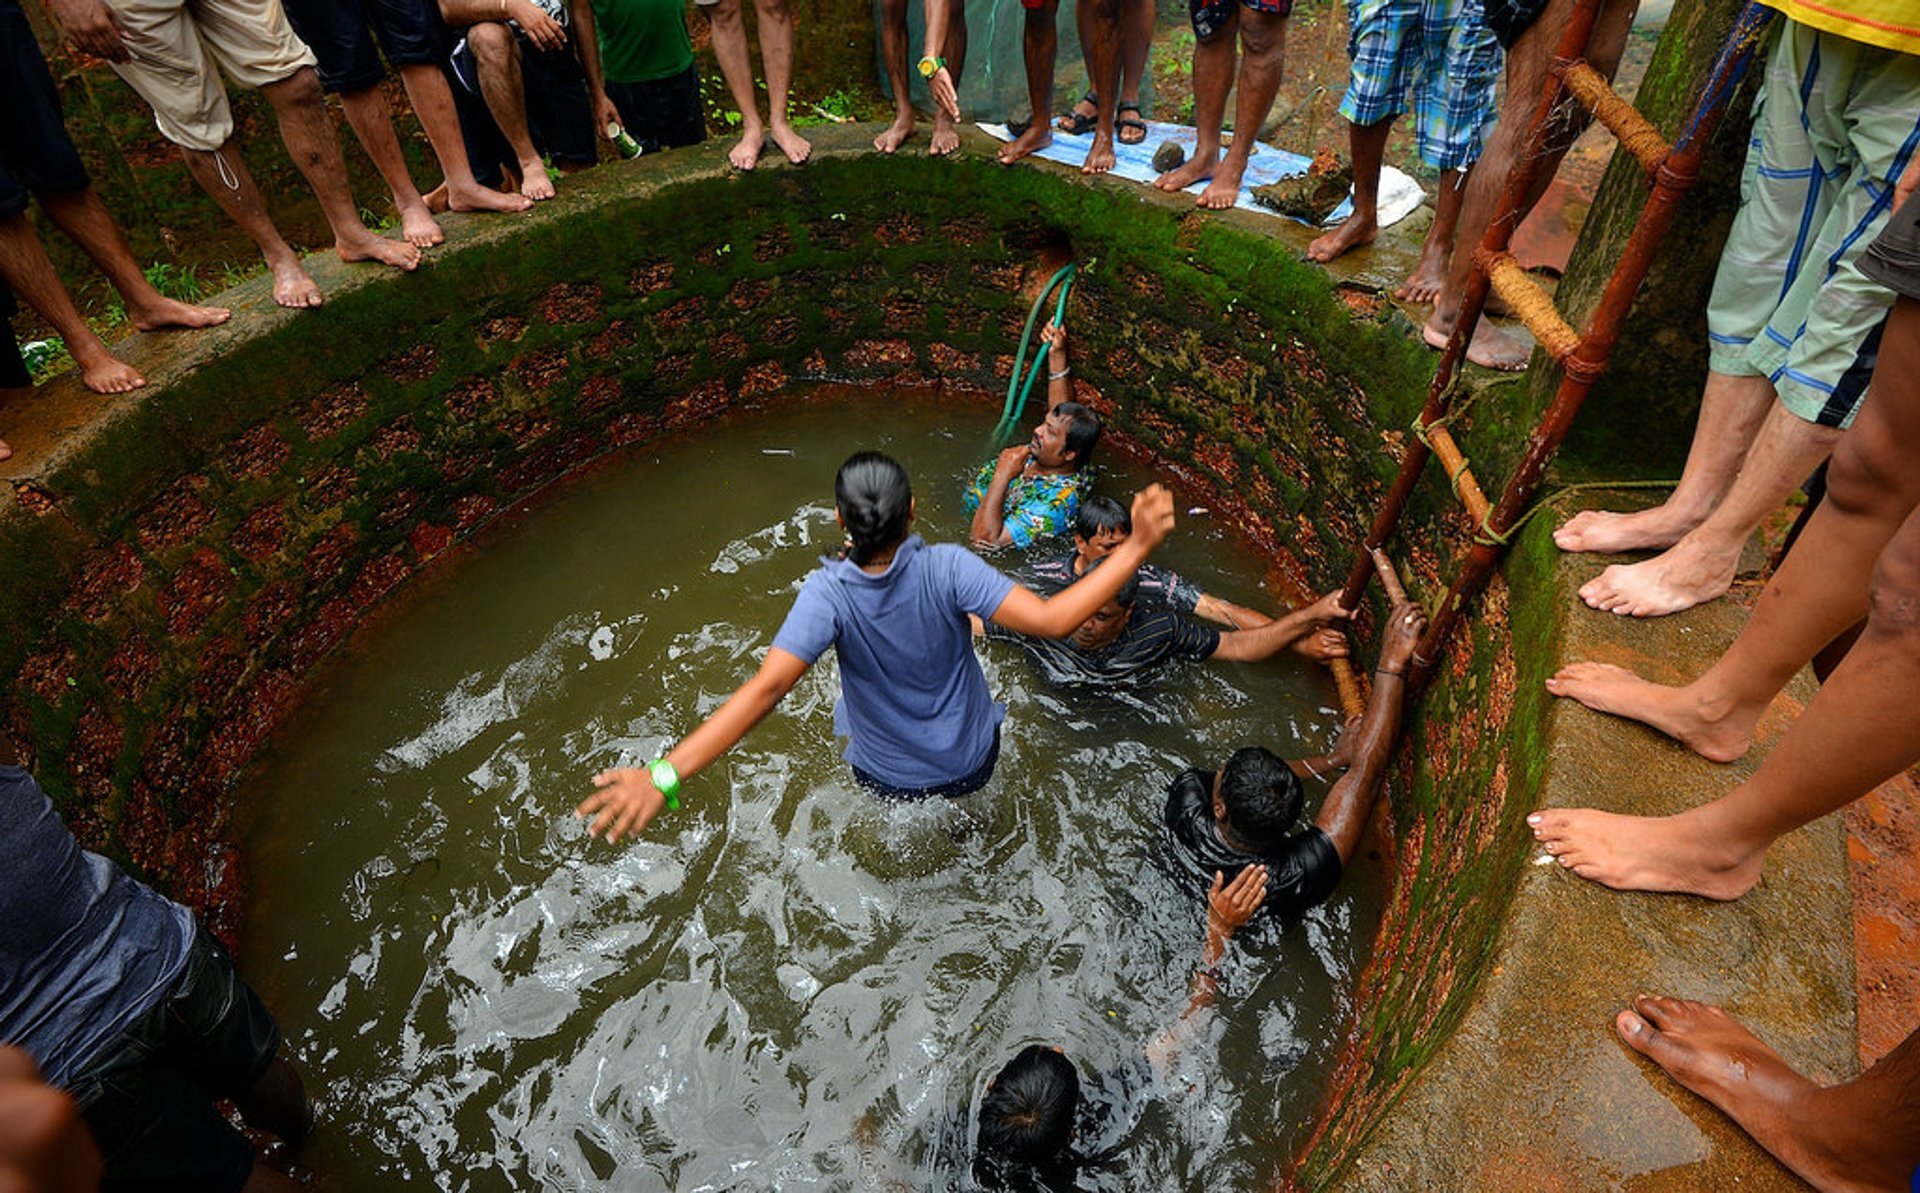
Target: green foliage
175 281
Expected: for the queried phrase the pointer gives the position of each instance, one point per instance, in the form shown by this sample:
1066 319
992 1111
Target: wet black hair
1083 430
1098 515
1263 797
1129 591
875 500
1027 1116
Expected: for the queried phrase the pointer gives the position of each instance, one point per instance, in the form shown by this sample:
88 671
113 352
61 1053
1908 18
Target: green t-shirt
642 40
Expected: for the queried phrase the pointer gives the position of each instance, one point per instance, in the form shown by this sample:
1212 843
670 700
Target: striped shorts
1439 50
1835 123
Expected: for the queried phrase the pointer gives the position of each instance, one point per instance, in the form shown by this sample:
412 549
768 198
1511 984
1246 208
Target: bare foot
1353 232
292 287
1428 278
1609 533
1038 136
1716 730
417 226
104 373
1677 854
1100 157
946 136
1322 646
797 148
1224 191
475 197
368 247
1490 347
535 183
1197 168
168 313
895 135
6 452
1686 574
438 199
745 154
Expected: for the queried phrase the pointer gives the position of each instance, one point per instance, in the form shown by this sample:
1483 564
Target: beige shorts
176 45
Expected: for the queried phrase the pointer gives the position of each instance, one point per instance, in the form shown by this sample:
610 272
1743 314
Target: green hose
1017 390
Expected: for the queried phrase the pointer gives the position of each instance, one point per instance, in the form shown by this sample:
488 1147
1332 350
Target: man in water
1103 524
1034 490
1244 816
134 1010
1124 638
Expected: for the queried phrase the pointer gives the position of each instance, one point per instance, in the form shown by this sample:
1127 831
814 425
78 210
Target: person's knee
723 14
1262 34
491 41
299 89
1893 598
1041 18
1862 479
1104 11
894 13
772 10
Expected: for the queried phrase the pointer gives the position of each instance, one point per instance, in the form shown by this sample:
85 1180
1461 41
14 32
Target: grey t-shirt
85 950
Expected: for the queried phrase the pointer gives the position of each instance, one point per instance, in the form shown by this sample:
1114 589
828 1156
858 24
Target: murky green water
786 984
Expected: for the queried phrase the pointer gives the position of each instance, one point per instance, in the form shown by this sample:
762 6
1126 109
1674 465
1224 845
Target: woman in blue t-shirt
914 704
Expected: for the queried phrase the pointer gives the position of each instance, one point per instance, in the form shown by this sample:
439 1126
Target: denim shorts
36 154
148 1094
340 34
965 785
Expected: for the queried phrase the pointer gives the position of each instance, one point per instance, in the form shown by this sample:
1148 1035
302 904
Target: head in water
873 500
1109 621
1100 525
1065 437
1027 1114
1258 798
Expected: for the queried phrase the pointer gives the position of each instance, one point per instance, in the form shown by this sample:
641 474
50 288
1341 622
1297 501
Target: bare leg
1099 22
1861 1134
946 133
1732 410
433 104
1527 64
893 48
1039 41
307 128
1263 35
24 265
372 122
776 57
496 60
86 221
1214 62
1431 274
1136 42
1369 145
736 66
223 174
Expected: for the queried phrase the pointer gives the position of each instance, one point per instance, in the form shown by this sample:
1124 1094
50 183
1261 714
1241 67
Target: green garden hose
1017 390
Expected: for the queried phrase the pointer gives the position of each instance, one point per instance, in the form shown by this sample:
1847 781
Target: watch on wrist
930 66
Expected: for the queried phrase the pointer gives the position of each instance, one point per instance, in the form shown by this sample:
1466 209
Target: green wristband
667 780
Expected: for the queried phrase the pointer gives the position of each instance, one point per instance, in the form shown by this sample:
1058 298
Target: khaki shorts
176 45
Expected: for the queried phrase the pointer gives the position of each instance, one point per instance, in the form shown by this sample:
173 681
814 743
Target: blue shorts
340 34
36 154
1435 57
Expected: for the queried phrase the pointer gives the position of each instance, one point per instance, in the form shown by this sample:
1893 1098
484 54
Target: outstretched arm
1229 906
1263 642
1059 375
1060 614
1343 817
626 801
1224 612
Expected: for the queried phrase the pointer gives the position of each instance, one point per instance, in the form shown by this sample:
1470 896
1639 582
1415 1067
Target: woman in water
914 704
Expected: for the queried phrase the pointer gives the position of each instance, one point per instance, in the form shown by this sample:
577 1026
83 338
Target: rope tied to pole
1489 537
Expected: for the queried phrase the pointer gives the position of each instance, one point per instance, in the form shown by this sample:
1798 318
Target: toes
1635 1031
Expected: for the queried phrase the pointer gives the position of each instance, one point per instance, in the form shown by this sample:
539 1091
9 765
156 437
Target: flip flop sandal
1018 128
1130 124
1079 124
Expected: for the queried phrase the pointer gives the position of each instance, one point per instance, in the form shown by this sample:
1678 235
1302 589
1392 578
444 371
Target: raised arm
626 801
1263 642
1229 906
1343 816
1059 374
1060 614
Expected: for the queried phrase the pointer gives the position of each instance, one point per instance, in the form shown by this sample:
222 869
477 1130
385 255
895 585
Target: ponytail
875 500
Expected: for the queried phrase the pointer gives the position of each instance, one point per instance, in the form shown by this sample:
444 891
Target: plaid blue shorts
1441 51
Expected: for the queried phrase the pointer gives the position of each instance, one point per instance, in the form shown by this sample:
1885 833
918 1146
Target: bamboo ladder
1581 357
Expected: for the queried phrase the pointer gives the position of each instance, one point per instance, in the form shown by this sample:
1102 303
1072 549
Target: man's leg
1136 42
1527 63
736 66
432 102
893 49
1459 60
85 219
26 269
223 174
307 128
372 122
1099 24
1860 1134
1369 145
1429 277
496 58
774 20
1039 43
1263 37
946 131
1819 591
1216 54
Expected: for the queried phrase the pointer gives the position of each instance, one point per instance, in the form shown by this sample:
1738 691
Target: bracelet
1317 776
1061 375
667 780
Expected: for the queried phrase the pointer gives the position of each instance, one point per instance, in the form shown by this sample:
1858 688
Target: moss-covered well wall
180 563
